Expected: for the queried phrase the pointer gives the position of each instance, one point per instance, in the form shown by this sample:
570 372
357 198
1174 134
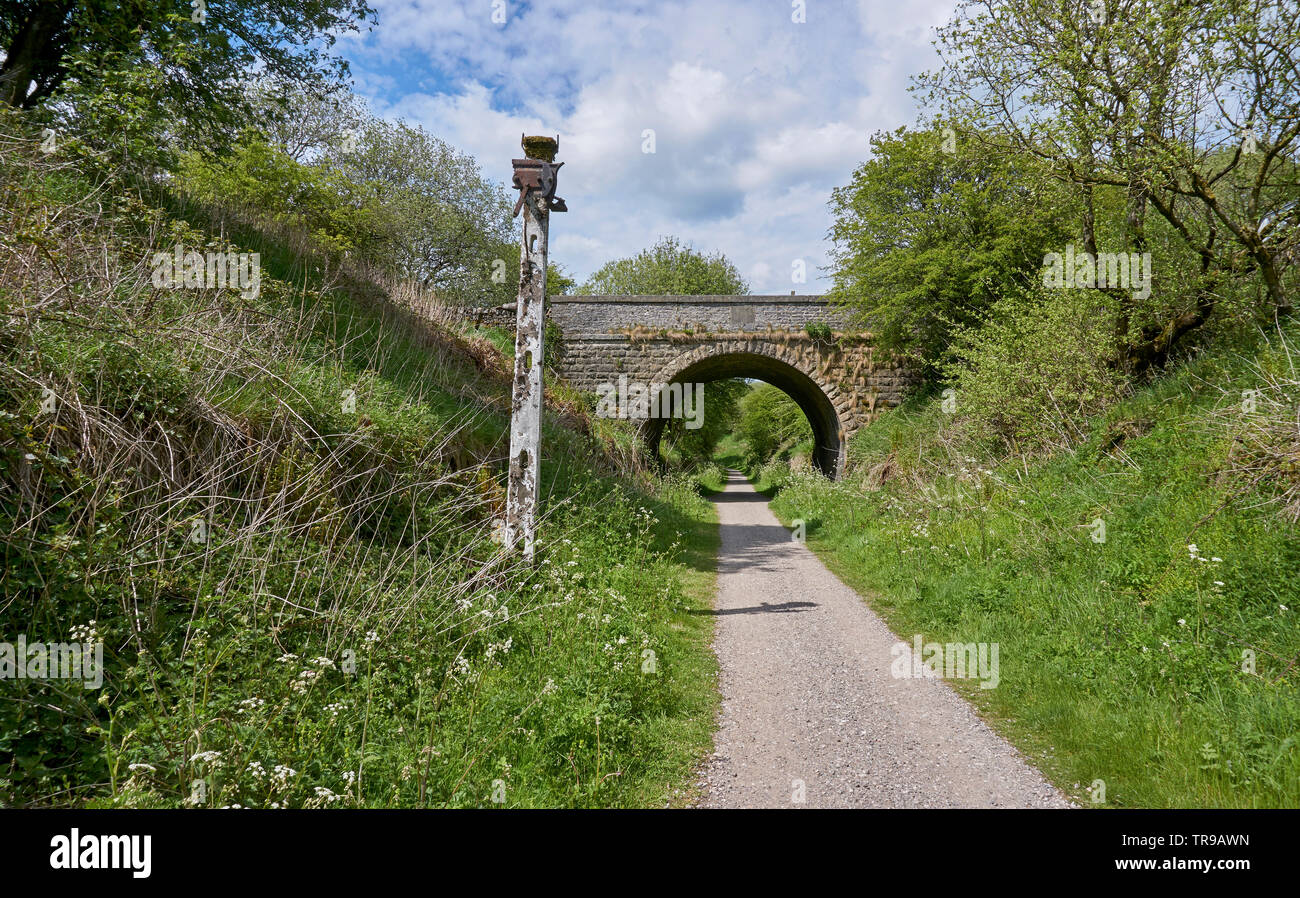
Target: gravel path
807 693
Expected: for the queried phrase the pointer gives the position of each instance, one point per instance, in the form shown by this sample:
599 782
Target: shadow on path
762 608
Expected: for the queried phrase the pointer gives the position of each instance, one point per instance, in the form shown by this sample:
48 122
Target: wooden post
535 177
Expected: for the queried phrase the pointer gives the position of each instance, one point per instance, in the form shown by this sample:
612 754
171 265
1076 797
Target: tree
416 206
304 122
259 179
770 421
928 238
204 50
451 225
669 267
389 194
1190 108
721 409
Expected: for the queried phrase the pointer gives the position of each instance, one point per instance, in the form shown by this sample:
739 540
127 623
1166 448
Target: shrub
1037 369
1264 422
820 331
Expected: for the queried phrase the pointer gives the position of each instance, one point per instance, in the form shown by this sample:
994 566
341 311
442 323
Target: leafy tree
721 409
307 122
927 238
392 194
1192 109
341 214
203 52
770 421
450 224
1037 370
668 267
558 282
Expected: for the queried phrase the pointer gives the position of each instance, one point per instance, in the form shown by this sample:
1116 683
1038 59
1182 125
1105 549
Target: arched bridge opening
828 430
799 344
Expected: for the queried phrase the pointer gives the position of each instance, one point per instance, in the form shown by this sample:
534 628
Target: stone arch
776 364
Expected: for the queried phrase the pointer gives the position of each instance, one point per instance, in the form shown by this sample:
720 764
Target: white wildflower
280 776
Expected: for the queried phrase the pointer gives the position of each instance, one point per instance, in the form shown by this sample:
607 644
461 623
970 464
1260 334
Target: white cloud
755 118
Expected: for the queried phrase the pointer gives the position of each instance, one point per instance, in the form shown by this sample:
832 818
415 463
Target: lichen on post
534 177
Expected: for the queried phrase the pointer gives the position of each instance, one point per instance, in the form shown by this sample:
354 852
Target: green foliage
819 331
710 478
770 423
558 282
730 452
447 225
771 476
552 345
1124 659
688 447
300 601
110 119
400 200
670 267
60 45
1119 104
927 241
339 213
1033 376
770 435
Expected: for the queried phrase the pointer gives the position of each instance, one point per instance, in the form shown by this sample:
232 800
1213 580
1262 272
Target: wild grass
275 512
1157 655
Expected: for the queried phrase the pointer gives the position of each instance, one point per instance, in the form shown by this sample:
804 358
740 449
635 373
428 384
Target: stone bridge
834 374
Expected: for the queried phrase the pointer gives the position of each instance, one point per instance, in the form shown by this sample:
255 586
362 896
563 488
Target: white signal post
535 177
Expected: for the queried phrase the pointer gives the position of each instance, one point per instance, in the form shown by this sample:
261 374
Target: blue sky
756 117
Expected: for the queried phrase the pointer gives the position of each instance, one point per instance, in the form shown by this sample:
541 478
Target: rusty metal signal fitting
537 173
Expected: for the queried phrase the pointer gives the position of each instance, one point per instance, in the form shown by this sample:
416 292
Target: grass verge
1155 652
274 511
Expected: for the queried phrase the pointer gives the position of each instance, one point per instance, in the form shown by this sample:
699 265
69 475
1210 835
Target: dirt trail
808 695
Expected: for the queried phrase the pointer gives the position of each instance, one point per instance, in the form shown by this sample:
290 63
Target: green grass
503 340
346 616
711 478
1122 660
769 477
730 453
686 739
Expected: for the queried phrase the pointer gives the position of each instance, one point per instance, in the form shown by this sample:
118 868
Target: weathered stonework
842 382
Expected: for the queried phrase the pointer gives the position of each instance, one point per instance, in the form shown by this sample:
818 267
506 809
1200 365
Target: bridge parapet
613 314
